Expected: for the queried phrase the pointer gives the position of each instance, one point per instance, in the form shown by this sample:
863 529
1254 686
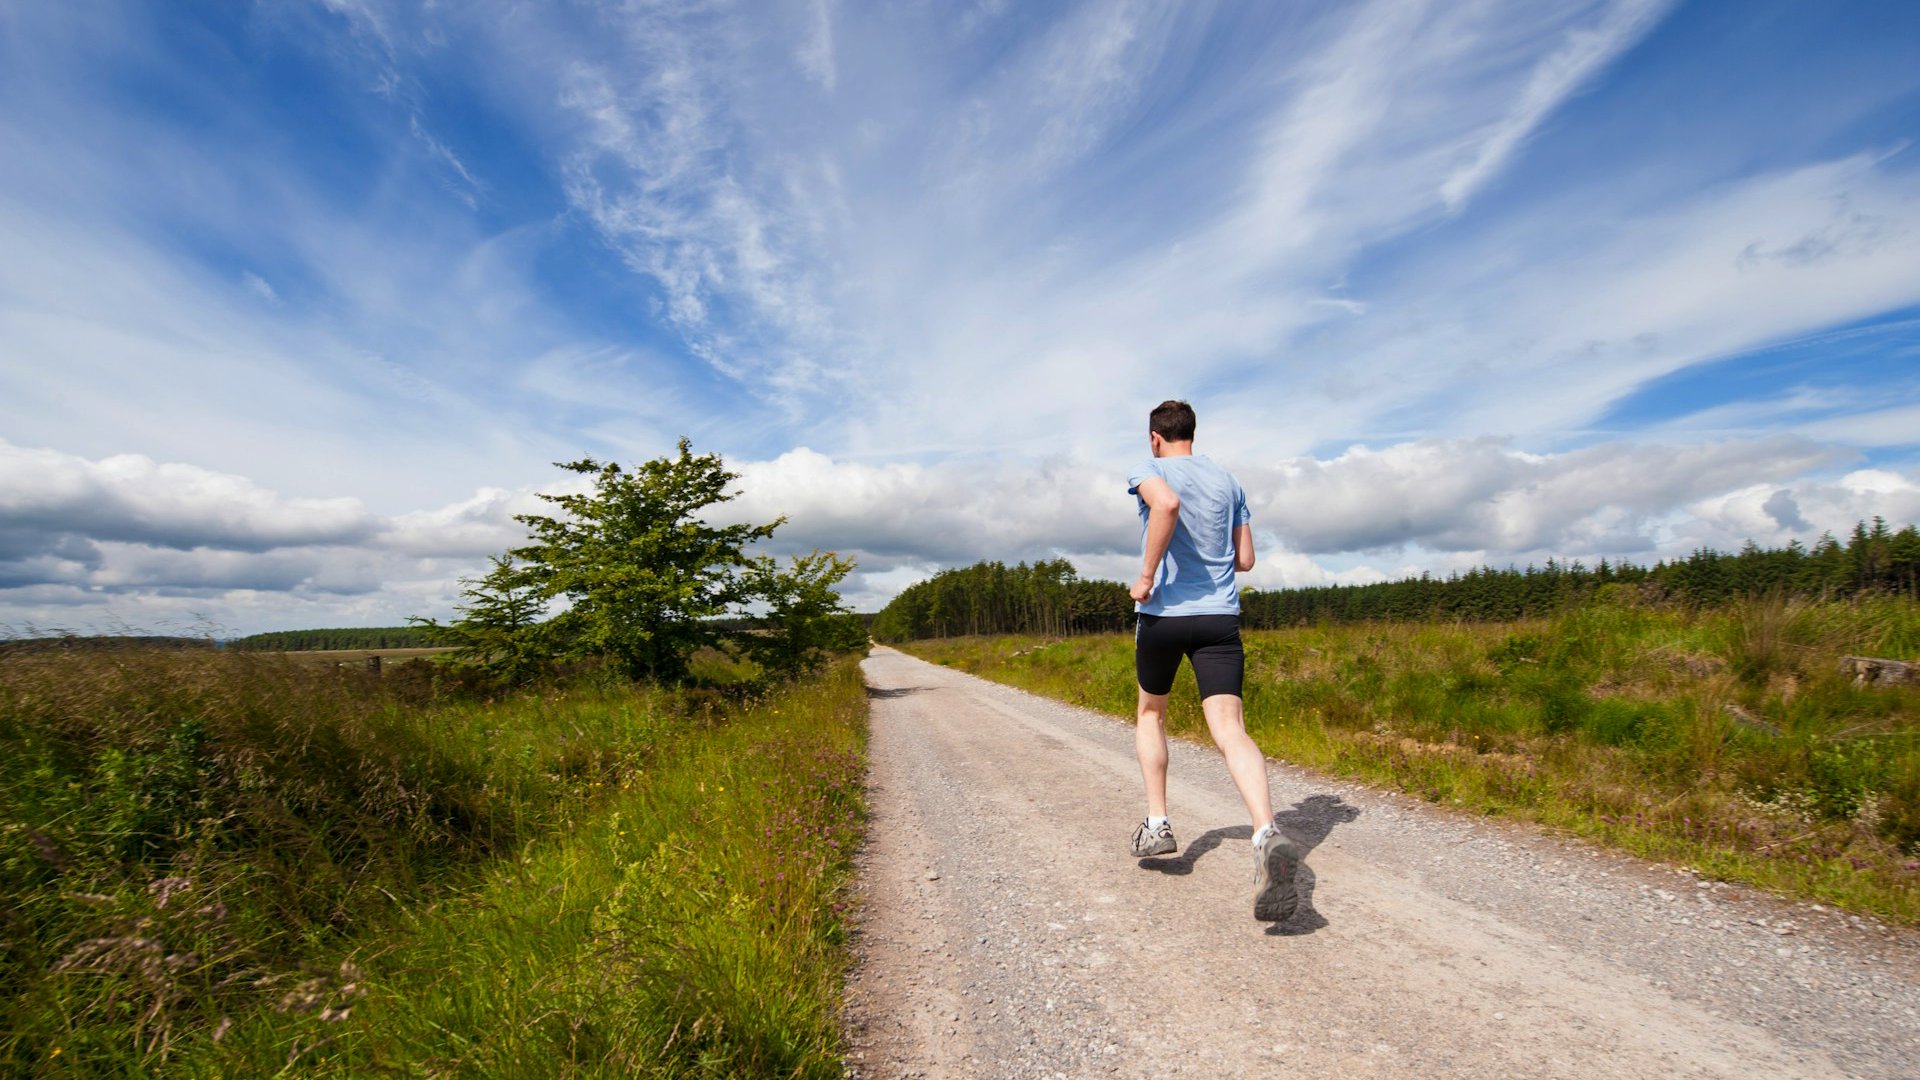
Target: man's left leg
1226 721
1276 858
1220 668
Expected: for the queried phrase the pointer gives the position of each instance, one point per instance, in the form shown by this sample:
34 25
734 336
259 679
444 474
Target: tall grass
241 865
1727 740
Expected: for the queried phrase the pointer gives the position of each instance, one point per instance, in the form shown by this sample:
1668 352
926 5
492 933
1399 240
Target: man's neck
1175 449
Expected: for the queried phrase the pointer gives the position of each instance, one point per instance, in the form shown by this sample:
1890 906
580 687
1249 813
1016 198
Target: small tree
645 580
643 575
804 622
499 628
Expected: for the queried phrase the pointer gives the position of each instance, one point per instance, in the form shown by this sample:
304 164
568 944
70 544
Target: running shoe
1275 861
1153 840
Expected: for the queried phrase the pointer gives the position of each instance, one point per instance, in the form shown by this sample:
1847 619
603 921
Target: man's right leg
1154 664
1150 743
1155 835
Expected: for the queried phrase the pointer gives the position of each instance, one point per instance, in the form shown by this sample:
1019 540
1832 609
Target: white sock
1155 822
1262 834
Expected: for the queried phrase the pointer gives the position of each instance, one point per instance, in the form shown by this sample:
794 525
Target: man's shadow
893 691
1308 823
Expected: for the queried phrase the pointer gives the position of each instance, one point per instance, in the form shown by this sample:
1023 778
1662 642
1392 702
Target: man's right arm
1163 510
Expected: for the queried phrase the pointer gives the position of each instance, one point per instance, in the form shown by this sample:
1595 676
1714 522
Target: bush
219 864
145 793
183 832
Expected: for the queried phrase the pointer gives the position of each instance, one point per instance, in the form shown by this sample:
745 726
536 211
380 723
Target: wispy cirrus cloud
1586 52
1350 151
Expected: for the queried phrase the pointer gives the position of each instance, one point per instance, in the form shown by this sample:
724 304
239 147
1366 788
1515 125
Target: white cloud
366 17
957 283
130 497
1896 426
955 512
390 334
1431 504
142 542
469 187
948 254
1536 328
1773 514
1484 495
258 286
472 528
815 54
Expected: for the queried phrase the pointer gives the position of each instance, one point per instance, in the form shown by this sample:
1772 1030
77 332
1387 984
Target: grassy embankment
229 865
1725 740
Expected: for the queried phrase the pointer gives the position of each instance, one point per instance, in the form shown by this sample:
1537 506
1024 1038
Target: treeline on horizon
1049 597
69 642
376 637
346 637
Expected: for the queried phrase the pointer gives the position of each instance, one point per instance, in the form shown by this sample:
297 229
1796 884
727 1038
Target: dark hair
1172 421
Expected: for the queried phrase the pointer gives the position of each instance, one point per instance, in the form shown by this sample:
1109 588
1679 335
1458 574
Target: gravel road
1005 932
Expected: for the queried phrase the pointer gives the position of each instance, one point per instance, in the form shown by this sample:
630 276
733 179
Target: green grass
1726 740
219 865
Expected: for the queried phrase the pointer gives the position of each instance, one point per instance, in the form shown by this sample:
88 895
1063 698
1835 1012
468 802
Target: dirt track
1006 933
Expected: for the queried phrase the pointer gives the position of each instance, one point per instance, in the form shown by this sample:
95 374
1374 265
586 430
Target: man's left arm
1242 530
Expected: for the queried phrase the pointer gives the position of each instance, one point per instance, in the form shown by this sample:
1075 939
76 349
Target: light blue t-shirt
1196 577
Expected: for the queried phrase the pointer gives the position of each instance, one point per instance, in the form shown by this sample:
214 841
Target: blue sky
299 301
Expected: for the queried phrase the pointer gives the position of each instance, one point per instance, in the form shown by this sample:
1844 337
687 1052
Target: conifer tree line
1050 598
70 641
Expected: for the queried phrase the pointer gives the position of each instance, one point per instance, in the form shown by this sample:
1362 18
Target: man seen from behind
1196 533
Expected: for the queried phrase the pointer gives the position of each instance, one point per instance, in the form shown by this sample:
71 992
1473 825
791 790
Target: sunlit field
220 864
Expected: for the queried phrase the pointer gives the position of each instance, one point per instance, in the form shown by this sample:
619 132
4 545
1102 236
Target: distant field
362 654
1727 740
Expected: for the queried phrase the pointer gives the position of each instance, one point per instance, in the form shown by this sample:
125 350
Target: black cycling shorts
1211 642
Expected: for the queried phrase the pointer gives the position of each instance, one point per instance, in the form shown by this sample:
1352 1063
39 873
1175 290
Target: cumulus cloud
471 528
946 513
1800 510
147 540
130 497
1485 495
1437 504
157 540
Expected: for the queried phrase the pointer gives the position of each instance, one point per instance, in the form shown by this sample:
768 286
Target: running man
1196 533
